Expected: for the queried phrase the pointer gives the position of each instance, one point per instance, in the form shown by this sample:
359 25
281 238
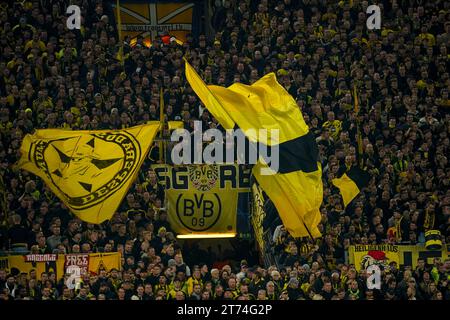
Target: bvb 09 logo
200 211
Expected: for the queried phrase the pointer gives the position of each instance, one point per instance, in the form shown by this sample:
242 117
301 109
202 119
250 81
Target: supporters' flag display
351 183
202 199
296 189
60 264
363 256
147 19
90 171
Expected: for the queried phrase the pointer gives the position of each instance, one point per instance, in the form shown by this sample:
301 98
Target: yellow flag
176 125
296 189
90 171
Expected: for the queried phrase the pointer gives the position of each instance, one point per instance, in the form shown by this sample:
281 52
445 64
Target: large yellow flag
90 171
296 189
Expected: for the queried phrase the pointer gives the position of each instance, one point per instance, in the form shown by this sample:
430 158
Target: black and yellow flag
351 183
296 189
90 171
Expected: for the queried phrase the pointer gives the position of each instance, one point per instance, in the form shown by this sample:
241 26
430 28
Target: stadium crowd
51 77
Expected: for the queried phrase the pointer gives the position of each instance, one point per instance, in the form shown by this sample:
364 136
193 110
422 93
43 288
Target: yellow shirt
190 284
30 44
183 288
334 127
431 39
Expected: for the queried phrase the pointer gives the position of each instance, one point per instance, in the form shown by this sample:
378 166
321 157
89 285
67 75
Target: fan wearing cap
243 270
234 42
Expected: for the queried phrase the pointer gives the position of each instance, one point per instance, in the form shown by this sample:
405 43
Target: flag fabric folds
89 171
351 183
296 189
175 125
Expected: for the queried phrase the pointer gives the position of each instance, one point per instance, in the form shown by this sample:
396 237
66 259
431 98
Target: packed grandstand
320 51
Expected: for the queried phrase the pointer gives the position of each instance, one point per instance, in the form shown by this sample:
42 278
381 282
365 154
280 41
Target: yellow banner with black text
362 256
202 199
59 263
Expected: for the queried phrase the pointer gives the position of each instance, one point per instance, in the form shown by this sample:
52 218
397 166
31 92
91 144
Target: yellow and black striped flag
351 183
296 188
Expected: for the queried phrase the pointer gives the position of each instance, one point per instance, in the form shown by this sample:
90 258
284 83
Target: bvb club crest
203 177
200 211
89 168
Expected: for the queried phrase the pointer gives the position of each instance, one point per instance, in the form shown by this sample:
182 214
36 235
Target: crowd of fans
51 77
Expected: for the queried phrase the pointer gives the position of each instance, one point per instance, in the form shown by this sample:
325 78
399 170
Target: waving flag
90 171
296 189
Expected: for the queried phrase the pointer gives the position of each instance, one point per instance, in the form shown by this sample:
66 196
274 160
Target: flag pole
162 143
119 27
358 129
161 121
304 224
